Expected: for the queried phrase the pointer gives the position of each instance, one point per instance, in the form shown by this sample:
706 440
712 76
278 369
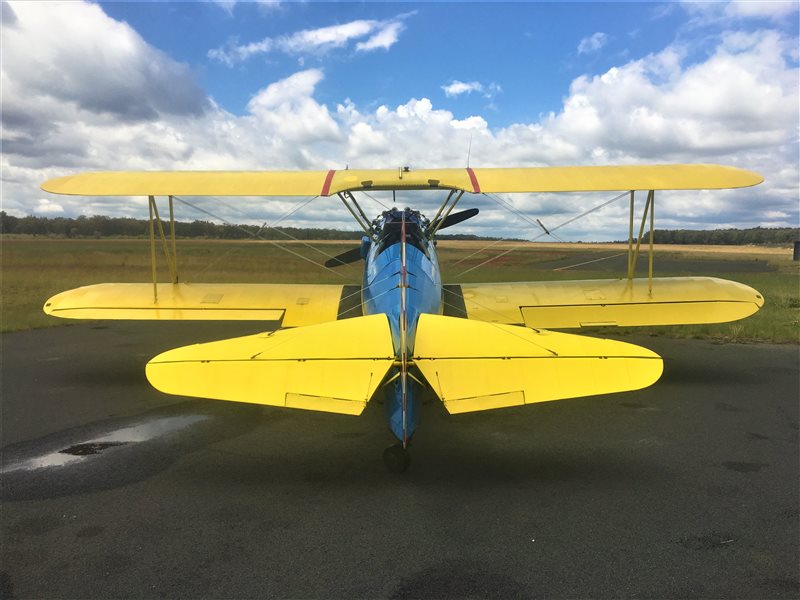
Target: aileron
583 303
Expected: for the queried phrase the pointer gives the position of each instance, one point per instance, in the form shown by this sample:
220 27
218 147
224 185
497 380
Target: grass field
34 269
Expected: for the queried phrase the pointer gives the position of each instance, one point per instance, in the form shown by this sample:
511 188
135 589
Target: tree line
758 236
125 227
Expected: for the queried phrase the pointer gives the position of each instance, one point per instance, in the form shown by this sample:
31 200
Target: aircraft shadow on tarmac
121 372
459 579
681 372
277 447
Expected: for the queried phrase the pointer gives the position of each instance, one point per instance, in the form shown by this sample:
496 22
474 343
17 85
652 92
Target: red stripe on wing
326 187
476 187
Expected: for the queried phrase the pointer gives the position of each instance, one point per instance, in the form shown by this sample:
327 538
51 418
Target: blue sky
530 50
311 85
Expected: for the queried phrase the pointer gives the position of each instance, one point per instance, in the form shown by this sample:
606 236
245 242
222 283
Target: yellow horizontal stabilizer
473 365
295 304
332 367
325 183
567 304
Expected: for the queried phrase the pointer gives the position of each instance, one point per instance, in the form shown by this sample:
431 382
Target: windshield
390 232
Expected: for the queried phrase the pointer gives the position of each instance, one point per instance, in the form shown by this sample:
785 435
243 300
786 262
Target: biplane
403 332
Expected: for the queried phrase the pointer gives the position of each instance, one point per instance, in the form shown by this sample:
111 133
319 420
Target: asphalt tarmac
688 489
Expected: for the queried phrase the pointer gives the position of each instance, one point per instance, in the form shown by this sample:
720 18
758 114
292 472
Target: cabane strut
358 214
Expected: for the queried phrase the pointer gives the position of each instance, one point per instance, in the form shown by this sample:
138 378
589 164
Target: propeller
345 258
354 254
453 219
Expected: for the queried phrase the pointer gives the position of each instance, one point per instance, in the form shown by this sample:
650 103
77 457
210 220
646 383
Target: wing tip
52 185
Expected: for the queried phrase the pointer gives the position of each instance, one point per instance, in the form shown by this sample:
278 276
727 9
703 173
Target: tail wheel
396 458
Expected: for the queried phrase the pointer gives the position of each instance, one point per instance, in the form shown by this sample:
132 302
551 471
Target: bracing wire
532 221
274 225
273 242
588 262
509 207
564 224
257 235
375 200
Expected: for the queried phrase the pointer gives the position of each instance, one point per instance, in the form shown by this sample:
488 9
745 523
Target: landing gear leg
396 458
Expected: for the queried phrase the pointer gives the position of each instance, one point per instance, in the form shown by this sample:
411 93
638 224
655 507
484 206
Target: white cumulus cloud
96 64
46 207
456 88
737 106
592 43
382 35
706 13
229 5
385 38
288 111
325 38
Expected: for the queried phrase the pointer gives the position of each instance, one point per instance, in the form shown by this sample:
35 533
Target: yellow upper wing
190 183
568 304
613 178
325 183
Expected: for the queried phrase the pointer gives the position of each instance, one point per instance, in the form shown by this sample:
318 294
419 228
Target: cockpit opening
389 226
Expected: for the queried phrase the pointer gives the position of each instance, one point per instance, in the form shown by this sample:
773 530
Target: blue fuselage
382 292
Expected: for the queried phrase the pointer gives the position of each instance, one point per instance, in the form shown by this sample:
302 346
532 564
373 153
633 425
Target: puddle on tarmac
84 449
151 429
89 448
54 459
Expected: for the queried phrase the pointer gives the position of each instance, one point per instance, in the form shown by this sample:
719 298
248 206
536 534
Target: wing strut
170 256
630 238
633 252
150 205
170 251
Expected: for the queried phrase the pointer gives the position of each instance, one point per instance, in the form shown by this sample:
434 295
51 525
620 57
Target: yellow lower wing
568 304
333 367
293 304
478 366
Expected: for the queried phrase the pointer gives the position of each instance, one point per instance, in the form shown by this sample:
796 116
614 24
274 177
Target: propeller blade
455 218
345 258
